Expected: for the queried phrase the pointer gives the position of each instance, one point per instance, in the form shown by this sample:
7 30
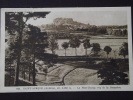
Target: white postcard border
67 87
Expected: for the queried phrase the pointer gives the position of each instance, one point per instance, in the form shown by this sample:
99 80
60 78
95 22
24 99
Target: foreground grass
82 76
75 73
70 73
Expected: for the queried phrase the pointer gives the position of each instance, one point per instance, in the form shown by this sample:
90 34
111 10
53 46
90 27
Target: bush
111 74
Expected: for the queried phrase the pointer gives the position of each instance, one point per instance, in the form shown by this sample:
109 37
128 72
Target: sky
92 17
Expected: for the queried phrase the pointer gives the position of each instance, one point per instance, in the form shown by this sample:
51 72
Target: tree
101 30
86 44
123 50
52 43
92 28
74 43
107 49
111 74
125 32
96 48
16 22
34 44
37 42
65 45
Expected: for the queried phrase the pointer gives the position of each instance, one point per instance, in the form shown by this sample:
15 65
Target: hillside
65 27
66 24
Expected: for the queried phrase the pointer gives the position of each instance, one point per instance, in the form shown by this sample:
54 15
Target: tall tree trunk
17 70
10 74
34 73
24 72
19 50
29 72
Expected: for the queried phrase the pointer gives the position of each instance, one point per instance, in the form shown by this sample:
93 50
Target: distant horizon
82 23
90 24
98 18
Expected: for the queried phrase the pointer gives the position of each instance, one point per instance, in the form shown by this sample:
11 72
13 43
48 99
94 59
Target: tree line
75 42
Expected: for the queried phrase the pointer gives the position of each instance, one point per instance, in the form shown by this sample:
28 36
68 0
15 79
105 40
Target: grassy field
76 73
82 76
70 73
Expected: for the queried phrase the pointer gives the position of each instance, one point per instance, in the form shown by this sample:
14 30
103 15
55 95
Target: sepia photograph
66 47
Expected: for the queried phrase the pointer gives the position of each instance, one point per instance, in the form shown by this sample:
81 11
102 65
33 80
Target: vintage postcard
66 49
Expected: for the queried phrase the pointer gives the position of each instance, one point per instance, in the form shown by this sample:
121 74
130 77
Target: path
68 73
